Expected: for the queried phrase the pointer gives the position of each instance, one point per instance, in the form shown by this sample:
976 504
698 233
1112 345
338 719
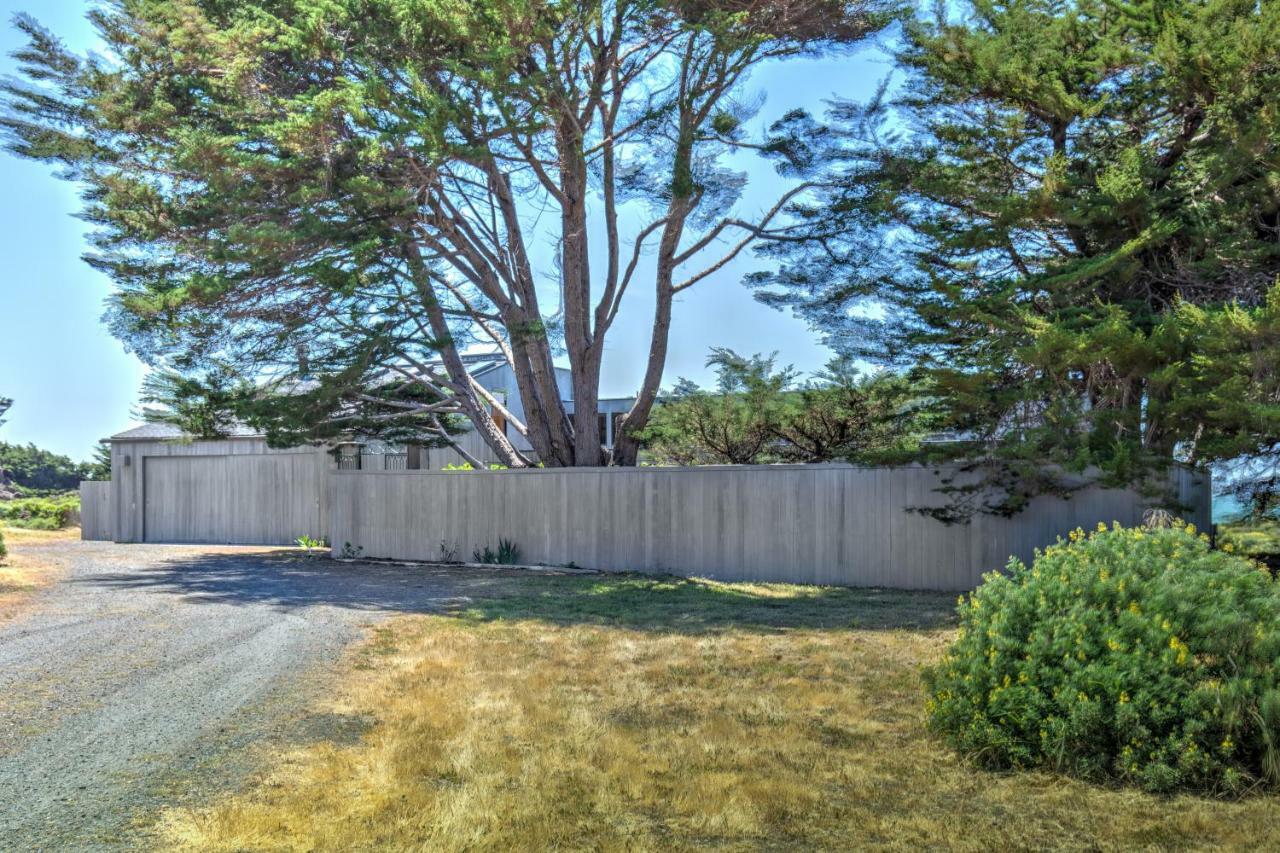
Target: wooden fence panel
96 519
825 524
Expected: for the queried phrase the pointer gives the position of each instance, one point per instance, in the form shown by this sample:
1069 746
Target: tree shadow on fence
638 602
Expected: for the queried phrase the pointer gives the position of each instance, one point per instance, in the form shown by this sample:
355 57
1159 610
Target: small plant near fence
507 554
350 552
448 552
311 547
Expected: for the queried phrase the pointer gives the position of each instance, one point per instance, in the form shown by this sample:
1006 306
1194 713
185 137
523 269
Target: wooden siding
233 500
96 518
129 463
803 524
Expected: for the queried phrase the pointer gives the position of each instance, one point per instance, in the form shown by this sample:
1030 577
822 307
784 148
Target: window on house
603 424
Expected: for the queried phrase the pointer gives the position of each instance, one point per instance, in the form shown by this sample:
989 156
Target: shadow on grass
679 605
663 604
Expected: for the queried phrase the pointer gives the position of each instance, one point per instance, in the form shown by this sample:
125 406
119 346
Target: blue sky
73 383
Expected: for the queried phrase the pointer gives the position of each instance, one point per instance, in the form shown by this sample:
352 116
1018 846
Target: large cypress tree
282 182
1066 217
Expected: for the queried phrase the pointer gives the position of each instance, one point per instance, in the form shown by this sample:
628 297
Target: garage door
234 500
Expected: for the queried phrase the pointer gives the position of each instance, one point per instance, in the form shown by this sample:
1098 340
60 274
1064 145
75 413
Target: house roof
168 432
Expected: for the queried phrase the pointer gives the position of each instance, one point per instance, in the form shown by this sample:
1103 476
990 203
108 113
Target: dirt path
147 674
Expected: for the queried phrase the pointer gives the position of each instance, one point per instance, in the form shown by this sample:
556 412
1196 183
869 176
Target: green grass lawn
591 712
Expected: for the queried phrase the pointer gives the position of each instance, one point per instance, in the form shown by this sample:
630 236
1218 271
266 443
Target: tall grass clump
1138 655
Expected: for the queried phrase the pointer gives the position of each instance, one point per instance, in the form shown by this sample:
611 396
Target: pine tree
1067 221
99 466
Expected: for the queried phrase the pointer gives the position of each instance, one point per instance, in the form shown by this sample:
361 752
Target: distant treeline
35 470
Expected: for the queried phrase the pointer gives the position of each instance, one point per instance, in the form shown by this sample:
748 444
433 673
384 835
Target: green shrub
39 513
1132 654
4 552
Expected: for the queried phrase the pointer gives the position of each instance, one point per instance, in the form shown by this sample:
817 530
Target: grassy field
1260 539
23 572
623 713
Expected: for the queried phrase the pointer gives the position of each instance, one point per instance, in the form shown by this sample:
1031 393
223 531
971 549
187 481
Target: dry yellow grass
577 713
23 572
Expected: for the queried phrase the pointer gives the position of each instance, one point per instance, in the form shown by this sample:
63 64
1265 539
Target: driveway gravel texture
152 675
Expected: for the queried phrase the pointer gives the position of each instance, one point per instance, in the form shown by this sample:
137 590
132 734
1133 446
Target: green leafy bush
4 552
39 513
1133 654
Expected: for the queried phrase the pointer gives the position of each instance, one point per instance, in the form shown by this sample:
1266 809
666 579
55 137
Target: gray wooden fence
802 524
95 512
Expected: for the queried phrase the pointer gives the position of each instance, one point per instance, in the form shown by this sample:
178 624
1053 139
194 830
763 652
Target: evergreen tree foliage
292 180
99 467
357 401
1066 217
759 413
33 469
204 406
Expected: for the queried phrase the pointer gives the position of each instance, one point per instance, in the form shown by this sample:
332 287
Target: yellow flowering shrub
1130 654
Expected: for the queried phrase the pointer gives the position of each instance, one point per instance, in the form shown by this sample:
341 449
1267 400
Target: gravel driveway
146 676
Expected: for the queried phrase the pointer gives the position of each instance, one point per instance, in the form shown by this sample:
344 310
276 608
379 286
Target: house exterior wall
437 458
501 381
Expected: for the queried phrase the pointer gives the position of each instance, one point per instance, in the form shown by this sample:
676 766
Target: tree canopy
1065 217
34 469
759 413
290 183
